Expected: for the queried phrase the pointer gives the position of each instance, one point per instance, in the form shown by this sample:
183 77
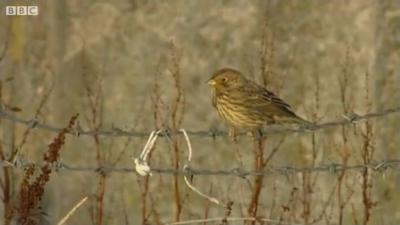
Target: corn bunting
244 104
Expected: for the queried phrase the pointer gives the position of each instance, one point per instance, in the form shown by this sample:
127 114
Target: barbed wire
142 167
377 166
118 132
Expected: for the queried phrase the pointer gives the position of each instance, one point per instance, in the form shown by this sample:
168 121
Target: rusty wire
118 132
115 132
377 166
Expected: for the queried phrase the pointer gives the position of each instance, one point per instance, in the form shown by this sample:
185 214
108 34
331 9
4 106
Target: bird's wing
214 100
260 100
265 97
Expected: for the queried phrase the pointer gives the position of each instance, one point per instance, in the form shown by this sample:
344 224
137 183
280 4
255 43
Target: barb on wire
117 132
377 166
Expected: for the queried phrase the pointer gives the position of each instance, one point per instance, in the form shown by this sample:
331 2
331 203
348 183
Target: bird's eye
224 79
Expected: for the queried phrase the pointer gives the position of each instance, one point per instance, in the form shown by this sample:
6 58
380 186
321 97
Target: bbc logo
22 10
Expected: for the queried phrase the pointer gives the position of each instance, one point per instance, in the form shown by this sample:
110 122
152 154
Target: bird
244 104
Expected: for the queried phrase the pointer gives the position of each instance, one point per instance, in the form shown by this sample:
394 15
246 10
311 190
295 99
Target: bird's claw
233 134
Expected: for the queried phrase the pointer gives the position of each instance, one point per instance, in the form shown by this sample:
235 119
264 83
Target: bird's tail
295 119
302 121
288 116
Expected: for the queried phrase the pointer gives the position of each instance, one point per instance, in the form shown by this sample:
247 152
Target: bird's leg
233 133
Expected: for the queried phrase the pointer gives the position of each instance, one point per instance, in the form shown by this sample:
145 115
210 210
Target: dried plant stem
260 164
31 192
344 88
5 183
341 203
6 190
177 113
367 154
94 97
228 211
72 211
101 189
28 130
178 200
307 190
144 199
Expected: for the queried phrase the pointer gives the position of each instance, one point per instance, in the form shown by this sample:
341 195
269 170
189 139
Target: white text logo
22 10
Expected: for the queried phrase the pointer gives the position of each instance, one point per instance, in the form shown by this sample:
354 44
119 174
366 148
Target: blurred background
142 65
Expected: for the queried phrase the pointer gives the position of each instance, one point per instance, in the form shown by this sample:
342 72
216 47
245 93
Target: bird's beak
211 82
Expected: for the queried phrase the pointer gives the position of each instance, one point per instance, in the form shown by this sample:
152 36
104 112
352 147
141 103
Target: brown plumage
244 104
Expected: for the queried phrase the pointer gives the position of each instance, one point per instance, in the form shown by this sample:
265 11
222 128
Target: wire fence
118 132
284 170
378 166
141 165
